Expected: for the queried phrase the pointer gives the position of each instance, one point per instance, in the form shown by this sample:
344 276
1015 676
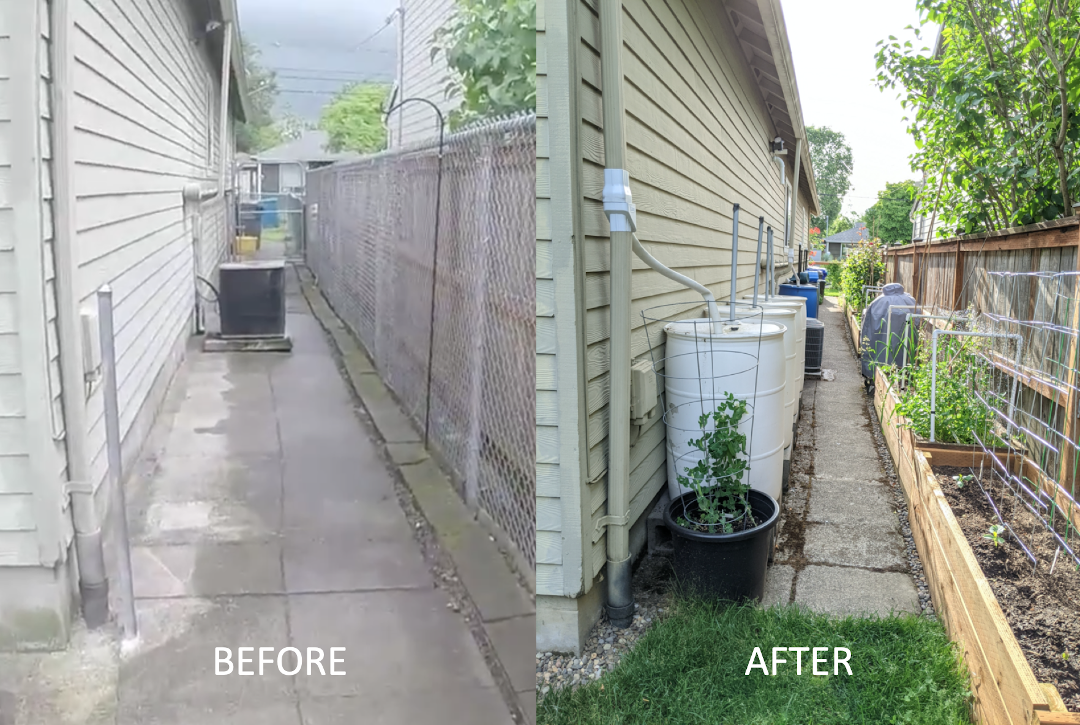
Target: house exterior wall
421 75
145 125
697 133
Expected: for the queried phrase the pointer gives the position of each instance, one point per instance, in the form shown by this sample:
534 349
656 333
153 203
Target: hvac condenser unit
815 346
252 300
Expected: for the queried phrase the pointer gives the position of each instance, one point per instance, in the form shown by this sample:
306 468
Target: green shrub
960 416
863 265
832 282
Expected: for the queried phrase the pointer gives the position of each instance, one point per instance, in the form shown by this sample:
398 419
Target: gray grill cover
875 325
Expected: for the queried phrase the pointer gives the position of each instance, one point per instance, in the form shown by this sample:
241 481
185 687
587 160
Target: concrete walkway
265 515
841 547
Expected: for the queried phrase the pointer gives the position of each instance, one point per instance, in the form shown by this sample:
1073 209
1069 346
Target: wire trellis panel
370 243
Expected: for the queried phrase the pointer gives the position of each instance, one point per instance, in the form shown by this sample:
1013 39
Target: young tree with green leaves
354 121
831 157
889 219
993 110
840 224
490 48
259 132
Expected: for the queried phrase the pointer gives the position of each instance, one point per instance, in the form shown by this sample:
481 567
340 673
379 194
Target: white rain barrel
785 315
799 304
701 365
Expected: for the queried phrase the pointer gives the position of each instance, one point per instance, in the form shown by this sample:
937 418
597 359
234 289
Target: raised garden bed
1042 609
1004 686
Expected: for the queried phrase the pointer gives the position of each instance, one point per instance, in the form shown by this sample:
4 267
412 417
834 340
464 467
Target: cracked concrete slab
864 503
844 590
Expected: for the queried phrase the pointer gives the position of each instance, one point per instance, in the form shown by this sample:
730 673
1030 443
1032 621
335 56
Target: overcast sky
833 46
316 46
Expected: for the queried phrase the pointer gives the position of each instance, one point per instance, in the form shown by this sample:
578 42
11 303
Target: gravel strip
606 645
914 562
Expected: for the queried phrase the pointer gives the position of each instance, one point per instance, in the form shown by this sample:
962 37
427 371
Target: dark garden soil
1043 609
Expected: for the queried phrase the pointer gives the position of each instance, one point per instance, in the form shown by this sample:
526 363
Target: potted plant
722 530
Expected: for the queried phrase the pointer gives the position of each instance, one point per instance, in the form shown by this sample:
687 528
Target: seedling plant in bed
1041 598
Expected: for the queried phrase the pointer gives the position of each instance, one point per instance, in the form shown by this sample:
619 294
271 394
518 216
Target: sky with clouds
833 46
318 45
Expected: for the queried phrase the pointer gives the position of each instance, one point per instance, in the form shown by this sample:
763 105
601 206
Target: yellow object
247 245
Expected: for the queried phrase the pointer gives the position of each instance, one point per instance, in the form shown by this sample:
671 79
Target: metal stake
117 502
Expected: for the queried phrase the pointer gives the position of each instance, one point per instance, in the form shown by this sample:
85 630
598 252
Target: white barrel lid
778 300
746 311
706 329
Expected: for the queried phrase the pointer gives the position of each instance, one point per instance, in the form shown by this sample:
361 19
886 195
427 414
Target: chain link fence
449 323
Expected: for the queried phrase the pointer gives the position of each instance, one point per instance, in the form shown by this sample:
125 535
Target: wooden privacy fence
943 273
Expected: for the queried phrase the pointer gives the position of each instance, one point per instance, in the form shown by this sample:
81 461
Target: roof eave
225 11
772 17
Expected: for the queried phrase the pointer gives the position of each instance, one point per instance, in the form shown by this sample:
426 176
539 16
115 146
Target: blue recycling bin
809 291
269 213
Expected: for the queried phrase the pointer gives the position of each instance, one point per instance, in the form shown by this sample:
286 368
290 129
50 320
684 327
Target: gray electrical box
643 403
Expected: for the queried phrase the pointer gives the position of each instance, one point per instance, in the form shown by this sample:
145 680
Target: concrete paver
845 590
850 557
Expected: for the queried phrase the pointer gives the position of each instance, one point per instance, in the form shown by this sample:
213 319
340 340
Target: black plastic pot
724 566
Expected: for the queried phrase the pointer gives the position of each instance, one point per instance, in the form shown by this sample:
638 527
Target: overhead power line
330 79
327 71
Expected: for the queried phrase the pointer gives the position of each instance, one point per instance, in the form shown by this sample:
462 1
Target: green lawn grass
691 668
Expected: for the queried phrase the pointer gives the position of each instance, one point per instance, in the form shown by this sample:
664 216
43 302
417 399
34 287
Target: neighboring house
838 244
110 112
707 87
418 74
283 168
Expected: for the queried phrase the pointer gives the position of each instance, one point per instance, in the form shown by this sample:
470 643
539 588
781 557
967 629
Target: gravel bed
606 645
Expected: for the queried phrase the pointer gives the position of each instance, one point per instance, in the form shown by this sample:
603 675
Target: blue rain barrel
270 213
809 291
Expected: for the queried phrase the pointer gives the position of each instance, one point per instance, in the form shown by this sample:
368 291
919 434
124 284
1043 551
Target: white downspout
795 195
771 286
401 70
622 218
194 193
93 583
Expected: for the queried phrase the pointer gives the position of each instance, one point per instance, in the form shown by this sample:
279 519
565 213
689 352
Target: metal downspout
795 194
194 194
93 584
620 598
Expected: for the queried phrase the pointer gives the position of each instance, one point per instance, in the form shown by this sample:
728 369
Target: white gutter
93 583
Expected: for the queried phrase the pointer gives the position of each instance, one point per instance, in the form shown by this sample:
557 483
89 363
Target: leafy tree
291 127
354 121
862 265
889 218
840 224
490 48
831 157
994 116
259 132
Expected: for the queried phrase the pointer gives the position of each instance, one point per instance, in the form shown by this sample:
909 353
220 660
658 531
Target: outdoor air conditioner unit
252 300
